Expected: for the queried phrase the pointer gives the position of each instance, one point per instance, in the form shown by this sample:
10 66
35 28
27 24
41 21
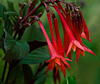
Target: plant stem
26 17
4 70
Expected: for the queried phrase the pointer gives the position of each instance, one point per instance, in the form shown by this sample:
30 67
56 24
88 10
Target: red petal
68 59
69 49
84 36
63 60
78 45
63 68
88 50
86 29
52 66
56 71
59 41
49 66
57 60
78 51
51 30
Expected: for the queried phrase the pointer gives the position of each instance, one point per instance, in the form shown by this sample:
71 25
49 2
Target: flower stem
26 17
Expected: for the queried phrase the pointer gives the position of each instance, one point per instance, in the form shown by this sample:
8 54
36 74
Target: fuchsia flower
56 59
70 34
59 42
74 27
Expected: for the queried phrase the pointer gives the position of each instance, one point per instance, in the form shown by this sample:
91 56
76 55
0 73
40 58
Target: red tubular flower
59 42
70 34
79 51
84 36
56 59
86 30
66 40
51 30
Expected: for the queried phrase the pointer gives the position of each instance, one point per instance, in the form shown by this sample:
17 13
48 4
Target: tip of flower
78 45
88 50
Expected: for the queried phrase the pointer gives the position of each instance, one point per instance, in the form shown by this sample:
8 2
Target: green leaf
1 81
32 33
8 26
10 6
25 9
71 80
26 1
27 74
39 10
1 27
2 12
14 49
13 16
36 56
16 76
41 80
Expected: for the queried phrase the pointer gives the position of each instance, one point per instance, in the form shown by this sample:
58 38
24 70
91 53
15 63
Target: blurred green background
87 71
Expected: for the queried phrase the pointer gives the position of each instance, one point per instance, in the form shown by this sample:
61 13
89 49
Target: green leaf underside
41 80
1 27
32 33
28 74
36 56
8 26
71 80
15 50
16 76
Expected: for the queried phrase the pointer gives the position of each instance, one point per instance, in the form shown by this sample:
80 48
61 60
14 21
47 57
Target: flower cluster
74 28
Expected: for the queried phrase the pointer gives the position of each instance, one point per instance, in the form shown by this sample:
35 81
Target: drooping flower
59 41
70 34
51 30
56 59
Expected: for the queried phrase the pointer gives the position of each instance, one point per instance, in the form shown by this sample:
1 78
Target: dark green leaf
33 4
16 76
1 81
36 56
32 33
10 6
8 26
71 80
1 43
25 9
27 74
13 16
2 12
14 49
1 27
39 10
41 80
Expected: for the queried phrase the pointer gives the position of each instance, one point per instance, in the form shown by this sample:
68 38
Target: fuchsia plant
20 52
